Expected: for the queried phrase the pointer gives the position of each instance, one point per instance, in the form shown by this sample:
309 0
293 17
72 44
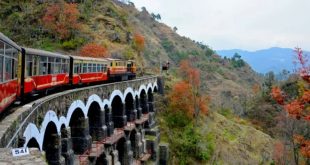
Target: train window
50 65
84 68
89 68
94 69
43 65
64 66
104 68
29 65
1 48
1 67
76 68
8 69
99 67
58 65
35 65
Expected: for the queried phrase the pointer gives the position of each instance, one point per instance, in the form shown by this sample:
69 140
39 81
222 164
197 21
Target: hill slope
238 143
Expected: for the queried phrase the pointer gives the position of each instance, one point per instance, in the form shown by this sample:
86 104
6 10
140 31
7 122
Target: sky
237 24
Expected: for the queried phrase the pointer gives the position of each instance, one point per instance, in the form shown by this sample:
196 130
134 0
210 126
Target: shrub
93 50
187 144
73 43
168 45
139 42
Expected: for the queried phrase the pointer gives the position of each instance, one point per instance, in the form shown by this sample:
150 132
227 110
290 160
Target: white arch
75 105
149 86
62 121
117 93
155 86
141 88
30 132
94 98
129 90
33 132
50 116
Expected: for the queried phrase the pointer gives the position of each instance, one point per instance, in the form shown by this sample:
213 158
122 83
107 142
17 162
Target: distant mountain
262 61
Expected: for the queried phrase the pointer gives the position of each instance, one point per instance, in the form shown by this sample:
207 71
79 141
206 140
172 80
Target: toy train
27 71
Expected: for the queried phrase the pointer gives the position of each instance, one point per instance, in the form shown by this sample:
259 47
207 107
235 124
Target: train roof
114 59
44 53
9 41
89 58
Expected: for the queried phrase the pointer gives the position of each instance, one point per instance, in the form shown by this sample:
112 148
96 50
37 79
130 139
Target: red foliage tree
181 98
61 19
93 50
276 93
139 42
299 107
186 95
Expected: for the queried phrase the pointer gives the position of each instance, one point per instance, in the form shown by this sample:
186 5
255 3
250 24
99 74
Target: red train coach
10 55
87 70
44 70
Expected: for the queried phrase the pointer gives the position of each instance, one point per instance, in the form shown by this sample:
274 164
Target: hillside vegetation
114 25
121 31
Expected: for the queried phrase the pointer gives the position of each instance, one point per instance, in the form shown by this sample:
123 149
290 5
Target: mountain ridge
279 58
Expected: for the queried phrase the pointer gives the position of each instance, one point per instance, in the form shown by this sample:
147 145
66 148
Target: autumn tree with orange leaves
298 108
61 19
139 42
93 50
186 95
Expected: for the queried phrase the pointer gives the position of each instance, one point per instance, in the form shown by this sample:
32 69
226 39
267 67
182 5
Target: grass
229 136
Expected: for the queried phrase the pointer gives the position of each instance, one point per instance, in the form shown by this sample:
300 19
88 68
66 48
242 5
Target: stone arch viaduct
103 124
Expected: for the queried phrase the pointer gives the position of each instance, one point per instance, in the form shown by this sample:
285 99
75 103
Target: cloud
246 24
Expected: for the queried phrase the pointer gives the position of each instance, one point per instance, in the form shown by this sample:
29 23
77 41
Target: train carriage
45 70
10 54
88 70
117 69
